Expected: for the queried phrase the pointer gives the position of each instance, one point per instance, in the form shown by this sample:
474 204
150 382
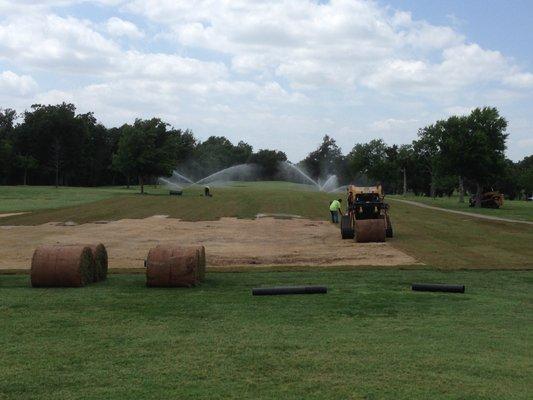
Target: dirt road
228 241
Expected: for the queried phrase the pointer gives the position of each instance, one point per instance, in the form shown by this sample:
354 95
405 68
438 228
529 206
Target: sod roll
437 287
274 291
202 262
100 262
169 265
62 266
370 230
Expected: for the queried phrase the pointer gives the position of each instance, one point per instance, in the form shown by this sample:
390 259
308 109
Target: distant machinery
367 218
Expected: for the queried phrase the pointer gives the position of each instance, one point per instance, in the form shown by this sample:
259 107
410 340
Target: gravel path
469 214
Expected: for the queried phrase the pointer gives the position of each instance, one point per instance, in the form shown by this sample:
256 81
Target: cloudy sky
277 74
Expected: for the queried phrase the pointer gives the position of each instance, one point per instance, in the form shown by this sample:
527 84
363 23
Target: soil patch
228 242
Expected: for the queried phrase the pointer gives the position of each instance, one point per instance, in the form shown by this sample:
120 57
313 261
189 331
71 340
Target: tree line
55 145
461 153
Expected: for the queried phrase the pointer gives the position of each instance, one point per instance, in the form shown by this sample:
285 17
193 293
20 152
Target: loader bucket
370 230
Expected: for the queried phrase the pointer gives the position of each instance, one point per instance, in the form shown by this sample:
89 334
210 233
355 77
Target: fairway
368 337
430 237
512 209
31 198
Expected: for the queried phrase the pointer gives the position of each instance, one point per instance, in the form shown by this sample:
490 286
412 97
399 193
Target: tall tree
405 163
269 161
485 152
427 150
369 162
455 147
325 160
7 126
147 149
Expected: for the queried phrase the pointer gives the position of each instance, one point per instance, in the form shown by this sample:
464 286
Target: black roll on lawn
289 290
437 287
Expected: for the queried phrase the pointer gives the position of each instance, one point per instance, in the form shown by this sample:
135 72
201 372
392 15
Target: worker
207 191
335 209
350 198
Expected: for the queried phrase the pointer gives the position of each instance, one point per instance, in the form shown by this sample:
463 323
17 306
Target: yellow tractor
367 218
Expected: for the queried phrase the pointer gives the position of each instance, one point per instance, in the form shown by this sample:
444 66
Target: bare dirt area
228 242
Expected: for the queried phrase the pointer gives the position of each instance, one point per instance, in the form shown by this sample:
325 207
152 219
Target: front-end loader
367 218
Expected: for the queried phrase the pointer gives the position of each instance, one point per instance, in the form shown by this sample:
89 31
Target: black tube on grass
289 290
437 287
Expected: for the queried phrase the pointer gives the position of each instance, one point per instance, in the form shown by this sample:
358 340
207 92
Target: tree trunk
478 195
432 187
127 181
25 175
461 190
404 182
141 182
57 173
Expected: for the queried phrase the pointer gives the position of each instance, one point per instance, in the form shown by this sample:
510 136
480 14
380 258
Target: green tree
325 160
485 151
368 163
427 152
455 147
525 175
55 137
26 163
147 149
7 127
405 163
269 161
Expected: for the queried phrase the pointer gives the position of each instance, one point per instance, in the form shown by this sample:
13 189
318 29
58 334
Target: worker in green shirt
335 209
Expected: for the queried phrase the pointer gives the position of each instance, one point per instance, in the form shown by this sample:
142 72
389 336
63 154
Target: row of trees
459 153
54 145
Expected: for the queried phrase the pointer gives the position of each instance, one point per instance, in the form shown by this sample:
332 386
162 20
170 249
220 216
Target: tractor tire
388 232
347 231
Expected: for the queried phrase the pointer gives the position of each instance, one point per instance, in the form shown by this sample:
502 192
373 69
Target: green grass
454 241
244 200
370 337
31 198
436 238
514 209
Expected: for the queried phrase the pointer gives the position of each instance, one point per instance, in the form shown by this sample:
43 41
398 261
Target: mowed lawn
439 239
370 337
513 209
31 198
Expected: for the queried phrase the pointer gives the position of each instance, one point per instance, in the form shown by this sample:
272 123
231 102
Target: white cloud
297 68
119 27
16 85
520 80
50 41
390 124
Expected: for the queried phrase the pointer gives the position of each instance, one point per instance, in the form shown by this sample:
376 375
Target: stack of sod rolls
68 265
171 265
63 266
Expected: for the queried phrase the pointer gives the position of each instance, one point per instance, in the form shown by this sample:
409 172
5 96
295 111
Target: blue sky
278 74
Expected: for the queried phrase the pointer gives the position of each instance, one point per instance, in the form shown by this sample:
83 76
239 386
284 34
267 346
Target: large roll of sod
274 291
169 265
100 262
437 287
370 230
62 266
